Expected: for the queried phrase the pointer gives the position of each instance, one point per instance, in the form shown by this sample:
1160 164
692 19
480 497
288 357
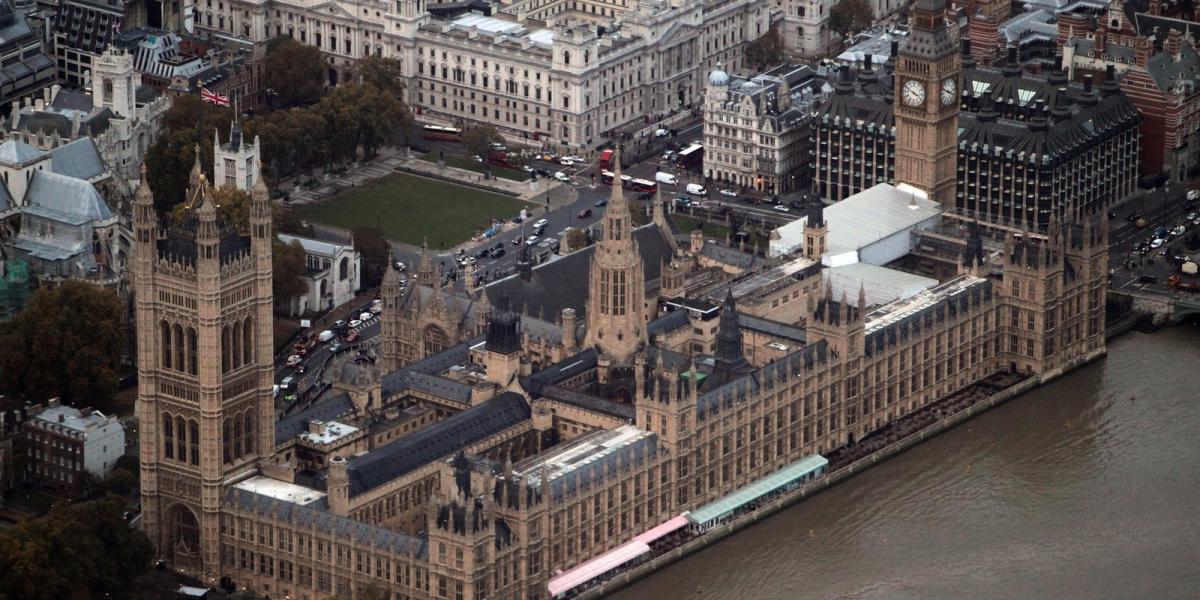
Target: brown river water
1086 488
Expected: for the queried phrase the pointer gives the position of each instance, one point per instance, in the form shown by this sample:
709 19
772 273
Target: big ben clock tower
927 92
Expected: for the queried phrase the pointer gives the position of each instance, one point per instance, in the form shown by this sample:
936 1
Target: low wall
648 568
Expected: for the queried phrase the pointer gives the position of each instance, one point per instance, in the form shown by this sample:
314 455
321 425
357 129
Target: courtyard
409 209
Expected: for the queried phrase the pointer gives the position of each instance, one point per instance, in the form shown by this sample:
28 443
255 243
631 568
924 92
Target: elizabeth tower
205 407
927 92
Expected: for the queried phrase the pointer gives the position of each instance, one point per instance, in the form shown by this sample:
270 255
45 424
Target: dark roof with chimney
436 442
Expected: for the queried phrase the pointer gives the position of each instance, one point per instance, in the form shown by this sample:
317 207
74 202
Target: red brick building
1158 66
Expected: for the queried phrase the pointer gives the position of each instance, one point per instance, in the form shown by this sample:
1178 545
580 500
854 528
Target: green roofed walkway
784 480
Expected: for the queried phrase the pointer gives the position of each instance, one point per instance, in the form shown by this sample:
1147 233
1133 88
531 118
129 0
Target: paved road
1160 208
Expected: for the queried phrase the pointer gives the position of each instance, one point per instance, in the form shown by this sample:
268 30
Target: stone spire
729 334
659 217
616 313
197 172
426 274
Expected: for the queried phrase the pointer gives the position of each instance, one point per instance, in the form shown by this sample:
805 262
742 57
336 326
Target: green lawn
409 209
462 162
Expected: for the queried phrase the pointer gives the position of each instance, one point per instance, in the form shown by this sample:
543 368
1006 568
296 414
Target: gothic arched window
435 340
237 438
226 440
168 436
166 344
224 349
193 365
248 421
344 268
248 341
179 349
194 440
108 89
180 439
236 346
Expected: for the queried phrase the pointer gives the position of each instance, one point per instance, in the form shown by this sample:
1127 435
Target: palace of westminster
511 431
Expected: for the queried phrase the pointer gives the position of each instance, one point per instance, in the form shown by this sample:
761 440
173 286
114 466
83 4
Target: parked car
355 323
559 175
585 213
338 348
531 240
365 315
1178 230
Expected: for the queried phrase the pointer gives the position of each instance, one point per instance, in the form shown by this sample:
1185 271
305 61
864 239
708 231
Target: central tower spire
616 314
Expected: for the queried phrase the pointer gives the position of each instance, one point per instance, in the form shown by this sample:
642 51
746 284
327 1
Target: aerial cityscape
579 299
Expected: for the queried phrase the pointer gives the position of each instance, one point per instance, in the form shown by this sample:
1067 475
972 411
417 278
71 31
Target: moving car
585 213
325 336
781 208
540 223
559 175
294 360
661 133
666 178
531 240
728 193
697 189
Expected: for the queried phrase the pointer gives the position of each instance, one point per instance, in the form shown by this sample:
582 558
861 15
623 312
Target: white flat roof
881 284
891 313
504 27
579 452
874 214
280 490
333 432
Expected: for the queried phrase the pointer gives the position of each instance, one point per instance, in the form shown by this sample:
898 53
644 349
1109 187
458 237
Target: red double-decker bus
437 132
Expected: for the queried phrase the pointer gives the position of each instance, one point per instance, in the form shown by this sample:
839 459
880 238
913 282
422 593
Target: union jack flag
213 97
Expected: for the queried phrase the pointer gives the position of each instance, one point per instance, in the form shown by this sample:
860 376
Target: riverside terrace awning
596 567
662 529
806 468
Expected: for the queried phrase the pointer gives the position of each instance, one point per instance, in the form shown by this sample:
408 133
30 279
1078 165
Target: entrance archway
333 77
183 537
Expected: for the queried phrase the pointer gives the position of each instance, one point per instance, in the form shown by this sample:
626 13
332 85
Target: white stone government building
564 72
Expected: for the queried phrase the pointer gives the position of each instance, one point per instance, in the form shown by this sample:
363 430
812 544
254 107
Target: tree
83 550
478 140
386 74
66 343
189 123
576 239
292 139
850 15
295 72
766 51
120 481
288 271
375 252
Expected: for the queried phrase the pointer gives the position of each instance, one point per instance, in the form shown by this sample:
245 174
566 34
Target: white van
666 178
325 336
697 189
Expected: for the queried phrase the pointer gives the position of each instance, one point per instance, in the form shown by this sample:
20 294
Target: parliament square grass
409 209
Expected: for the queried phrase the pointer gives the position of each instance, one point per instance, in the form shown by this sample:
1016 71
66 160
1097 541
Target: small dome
718 76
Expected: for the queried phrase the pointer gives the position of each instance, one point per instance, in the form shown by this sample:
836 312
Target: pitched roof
16 152
76 201
79 159
436 441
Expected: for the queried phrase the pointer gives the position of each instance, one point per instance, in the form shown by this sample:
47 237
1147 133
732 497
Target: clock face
948 89
913 92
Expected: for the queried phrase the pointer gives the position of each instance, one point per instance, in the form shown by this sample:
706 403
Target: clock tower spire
927 87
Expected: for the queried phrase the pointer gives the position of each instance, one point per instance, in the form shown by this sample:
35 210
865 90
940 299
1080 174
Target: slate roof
561 371
72 100
436 442
75 200
79 159
325 410
1171 75
563 283
728 256
422 375
318 517
772 328
668 322
16 152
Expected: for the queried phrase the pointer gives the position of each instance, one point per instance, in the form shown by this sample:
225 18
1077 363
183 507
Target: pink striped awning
662 529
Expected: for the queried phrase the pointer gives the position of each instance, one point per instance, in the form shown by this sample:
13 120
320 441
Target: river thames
1086 488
